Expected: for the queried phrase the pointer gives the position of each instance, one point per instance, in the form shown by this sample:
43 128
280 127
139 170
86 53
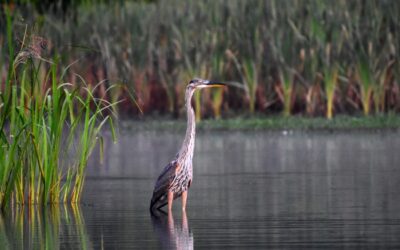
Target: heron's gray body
177 176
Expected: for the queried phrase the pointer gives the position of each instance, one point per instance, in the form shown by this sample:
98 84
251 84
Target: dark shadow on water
49 227
170 233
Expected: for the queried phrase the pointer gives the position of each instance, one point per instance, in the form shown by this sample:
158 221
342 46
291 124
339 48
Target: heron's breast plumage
181 181
184 173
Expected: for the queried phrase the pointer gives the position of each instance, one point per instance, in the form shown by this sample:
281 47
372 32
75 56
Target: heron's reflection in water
172 234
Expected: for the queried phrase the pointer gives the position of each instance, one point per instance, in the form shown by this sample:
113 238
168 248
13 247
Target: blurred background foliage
308 57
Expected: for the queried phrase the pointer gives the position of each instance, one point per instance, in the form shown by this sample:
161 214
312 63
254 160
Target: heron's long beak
211 84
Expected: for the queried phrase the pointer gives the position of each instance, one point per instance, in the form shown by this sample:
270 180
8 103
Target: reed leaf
330 80
39 124
286 91
366 84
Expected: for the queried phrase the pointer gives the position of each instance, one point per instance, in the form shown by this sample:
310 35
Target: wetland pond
267 189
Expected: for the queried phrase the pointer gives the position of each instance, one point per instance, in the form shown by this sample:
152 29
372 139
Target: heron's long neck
188 142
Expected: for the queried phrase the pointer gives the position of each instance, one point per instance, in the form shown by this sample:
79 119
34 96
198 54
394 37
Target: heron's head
198 83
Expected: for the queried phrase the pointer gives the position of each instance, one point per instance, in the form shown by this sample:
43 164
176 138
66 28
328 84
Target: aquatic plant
153 47
330 80
48 128
217 94
248 72
285 91
366 85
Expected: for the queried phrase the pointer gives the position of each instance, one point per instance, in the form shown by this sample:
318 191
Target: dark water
250 189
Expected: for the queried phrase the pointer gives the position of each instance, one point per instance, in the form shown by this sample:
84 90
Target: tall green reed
330 80
158 39
366 84
217 94
41 119
286 90
248 72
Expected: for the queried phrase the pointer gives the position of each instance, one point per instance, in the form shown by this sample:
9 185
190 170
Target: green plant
330 80
41 119
248 72
153 52
366 84
286 90
217 94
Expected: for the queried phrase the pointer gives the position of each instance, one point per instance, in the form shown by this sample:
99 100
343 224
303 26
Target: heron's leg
184 199
171 224
170 200
185 226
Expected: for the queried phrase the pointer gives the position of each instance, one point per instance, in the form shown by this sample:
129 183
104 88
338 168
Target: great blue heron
174 181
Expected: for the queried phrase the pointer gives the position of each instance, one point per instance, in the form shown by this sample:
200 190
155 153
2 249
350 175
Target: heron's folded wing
164 180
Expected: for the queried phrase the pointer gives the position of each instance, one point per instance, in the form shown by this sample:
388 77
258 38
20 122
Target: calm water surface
250 189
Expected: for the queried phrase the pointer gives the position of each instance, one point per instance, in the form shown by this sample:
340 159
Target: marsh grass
44 120
271 123
285 91
154 47
217 94
248 73
330 80
366 85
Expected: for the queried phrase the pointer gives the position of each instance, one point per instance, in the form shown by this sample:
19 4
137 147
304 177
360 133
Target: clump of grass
217 94
297 123
41 119
285 91
366 85
167 41
248 72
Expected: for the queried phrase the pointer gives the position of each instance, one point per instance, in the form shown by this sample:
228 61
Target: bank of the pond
271 123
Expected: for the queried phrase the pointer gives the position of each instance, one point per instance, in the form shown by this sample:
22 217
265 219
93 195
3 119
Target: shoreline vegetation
298 123
48 127
312 58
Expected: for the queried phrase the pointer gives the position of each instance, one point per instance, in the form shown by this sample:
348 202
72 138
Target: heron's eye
192 81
